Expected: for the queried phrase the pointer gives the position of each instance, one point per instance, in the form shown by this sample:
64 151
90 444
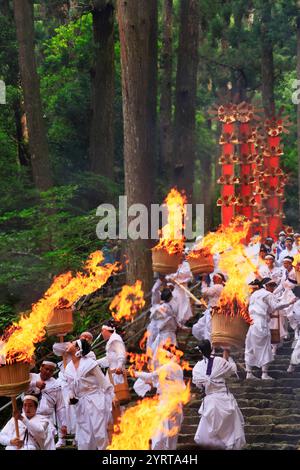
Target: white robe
202 329
181 302
285 253
115 357
275 274
295 358
258 351
59 349
51 405
37 433
93 410
222 423
284 290
163 326
173 380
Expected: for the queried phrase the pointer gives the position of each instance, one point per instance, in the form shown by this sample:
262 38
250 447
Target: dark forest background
81 75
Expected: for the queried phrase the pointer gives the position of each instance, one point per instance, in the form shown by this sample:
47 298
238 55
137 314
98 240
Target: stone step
271 446
188 438
253 412
270 438
265 419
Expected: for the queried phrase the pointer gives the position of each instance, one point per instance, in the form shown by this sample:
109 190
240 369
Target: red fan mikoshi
14 379
61 322
228 331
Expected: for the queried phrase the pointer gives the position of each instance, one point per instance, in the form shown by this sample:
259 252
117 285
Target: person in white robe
221 424
295 357
33 428
278 317
181 301
51 404
156 289
258 350
168 380
92 395
284 291
115 352
59 350
270 270
290 250
202 329
163 325
280 244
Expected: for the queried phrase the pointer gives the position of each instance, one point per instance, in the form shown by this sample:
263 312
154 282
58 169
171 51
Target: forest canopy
62 128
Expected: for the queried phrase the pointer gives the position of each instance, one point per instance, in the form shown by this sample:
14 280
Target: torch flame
141 422
19 339
128 302
172 239
228 242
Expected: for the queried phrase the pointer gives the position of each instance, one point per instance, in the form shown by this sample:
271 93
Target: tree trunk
4 7
186 85
38 146
166 144
298 105
138 37
267 64
22 137
102 122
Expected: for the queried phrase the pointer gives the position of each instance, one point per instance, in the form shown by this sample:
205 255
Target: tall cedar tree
166 144
186 87
138 37
38 145
103 90
267 60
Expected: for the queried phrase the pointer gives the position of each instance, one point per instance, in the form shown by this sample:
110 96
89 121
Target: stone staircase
271 409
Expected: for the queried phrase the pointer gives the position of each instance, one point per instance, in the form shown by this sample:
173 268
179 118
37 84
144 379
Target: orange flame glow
172 239
228 242
20 338
141 422
128 302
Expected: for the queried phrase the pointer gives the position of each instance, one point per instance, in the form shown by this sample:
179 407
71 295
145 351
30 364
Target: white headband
108 328
31 397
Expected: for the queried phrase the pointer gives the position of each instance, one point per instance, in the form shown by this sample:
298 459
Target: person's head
205 348
79 348
166 295
255 285
219 278
108 328
87 336
269 241
30 404
288 262
47 370
270 286
297 239
289 243
270 260
281 237
263 251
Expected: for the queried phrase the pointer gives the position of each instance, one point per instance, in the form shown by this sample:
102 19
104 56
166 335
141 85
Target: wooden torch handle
61 340
15 408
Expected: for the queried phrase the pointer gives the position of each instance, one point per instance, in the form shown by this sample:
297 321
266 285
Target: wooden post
61 340
15 408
